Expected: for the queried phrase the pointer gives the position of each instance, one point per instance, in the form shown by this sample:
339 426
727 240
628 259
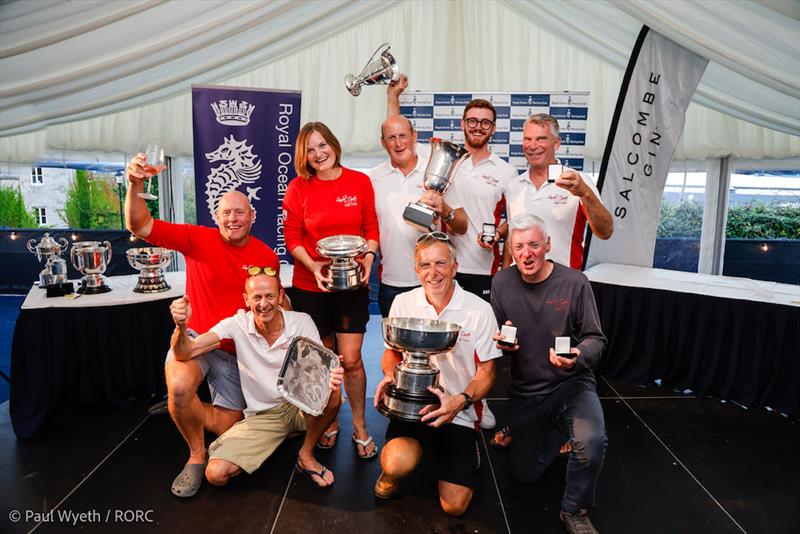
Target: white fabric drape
114 92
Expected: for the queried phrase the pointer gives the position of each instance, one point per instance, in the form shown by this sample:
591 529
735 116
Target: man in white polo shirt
397 182
262 336
466 376
565 205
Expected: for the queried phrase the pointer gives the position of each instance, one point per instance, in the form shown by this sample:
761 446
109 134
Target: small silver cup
381 69
91 259
49 250
344 269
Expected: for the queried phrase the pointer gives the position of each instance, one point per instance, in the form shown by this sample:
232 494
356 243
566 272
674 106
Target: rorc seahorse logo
239 166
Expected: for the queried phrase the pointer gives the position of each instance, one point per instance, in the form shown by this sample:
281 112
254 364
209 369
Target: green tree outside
13 213
755 220
92 203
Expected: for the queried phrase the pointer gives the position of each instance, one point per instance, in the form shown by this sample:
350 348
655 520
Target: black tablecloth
65 357
740 350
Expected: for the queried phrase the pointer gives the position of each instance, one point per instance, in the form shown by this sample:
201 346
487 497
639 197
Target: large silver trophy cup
151 262
418 339
49 250
381 69
91 259
446 158
344 269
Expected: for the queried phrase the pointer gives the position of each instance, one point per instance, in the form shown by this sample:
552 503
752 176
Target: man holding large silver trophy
441 415
264 336
214 280
399 183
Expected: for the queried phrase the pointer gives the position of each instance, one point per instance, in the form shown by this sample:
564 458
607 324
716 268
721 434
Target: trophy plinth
55 268
91 258
151 262
418 339
445 159
344 269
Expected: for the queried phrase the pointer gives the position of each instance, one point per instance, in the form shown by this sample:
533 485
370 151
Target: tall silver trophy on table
417 339
381 69
49 250
446 158
151 262
91 259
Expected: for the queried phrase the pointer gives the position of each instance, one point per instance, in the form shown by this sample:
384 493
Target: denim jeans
540 425
386 295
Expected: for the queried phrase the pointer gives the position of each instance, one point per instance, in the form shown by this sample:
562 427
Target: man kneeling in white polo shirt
262 336
449 431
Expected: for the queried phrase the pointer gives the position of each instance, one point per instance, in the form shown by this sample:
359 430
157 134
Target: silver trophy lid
342 246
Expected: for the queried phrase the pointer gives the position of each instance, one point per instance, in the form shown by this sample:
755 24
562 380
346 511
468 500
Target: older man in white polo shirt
466 375
261 335
397 182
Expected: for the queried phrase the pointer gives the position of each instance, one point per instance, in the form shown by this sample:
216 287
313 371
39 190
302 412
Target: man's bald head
399 121
400 141
235 216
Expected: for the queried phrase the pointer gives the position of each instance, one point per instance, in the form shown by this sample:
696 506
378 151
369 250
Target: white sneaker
488 421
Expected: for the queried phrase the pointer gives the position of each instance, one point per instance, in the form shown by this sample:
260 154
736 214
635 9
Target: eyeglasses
395 138
254 270
439 236
472 122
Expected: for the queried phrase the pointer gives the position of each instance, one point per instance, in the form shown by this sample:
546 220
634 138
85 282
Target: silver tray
304 376
342 246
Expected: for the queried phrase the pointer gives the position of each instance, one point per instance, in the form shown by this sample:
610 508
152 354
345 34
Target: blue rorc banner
244 141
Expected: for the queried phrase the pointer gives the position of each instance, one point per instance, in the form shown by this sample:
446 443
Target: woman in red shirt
327 199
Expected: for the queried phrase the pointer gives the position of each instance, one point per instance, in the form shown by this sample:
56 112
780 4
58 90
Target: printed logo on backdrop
439 115
244 141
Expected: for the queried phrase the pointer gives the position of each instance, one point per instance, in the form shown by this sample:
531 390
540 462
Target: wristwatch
450 216
468 399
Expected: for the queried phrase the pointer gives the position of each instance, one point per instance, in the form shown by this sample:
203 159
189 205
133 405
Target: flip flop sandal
327 437
504 433
365 443
188 480
384 490
308 474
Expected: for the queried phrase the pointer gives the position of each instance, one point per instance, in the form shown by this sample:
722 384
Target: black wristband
468 399
374 256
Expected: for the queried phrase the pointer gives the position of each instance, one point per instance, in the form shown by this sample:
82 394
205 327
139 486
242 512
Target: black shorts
342 312
477 284
455 448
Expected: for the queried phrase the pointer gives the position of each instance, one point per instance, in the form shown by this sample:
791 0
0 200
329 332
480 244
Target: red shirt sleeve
170 235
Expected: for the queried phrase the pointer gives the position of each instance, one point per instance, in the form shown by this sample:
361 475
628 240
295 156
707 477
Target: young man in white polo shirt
398 182
466 375
262 336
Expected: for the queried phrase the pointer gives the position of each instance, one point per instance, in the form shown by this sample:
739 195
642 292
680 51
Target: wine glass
154 165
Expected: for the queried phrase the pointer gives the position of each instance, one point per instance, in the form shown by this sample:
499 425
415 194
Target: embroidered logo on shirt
464 336
490 180
558 198
559 304
347 201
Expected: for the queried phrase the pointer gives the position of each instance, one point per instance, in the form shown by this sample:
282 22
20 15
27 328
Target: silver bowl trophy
304 375
55 267
446 158
151 262
418 339
344 269
381 69
91 259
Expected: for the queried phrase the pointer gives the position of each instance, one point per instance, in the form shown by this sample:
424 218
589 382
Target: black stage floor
675 464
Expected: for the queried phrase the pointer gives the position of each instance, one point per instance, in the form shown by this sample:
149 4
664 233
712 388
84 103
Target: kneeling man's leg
306 461
584 418
400 456
459 460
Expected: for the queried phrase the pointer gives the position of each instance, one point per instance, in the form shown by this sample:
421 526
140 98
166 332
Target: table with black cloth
104 349
725 337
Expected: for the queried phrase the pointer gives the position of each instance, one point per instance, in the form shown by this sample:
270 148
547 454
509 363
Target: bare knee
182 382
219 472
400 456
454 499
453 508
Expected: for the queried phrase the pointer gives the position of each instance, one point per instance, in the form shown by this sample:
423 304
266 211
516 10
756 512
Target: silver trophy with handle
446 158
381 69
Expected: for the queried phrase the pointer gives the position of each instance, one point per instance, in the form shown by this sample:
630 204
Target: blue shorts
222 372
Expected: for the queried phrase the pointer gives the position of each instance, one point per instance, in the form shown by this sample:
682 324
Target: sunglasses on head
438 236
255 270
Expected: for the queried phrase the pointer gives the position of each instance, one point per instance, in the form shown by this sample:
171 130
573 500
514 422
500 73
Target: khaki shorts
250 441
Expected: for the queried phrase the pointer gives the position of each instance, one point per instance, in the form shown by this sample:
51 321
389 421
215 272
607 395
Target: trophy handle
29 244
77 264
64 244
107 252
